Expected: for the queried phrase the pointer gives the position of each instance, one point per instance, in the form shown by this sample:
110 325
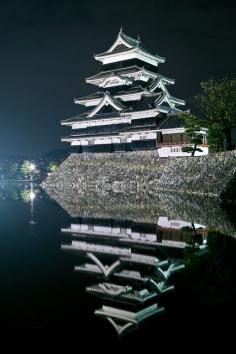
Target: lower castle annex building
132 108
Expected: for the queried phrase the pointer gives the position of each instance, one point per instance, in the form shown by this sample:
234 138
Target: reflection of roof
141 259
131 319
96 248
134 317
125 293
129 275
110 289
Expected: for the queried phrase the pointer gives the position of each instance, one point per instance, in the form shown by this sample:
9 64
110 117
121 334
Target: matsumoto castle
132 108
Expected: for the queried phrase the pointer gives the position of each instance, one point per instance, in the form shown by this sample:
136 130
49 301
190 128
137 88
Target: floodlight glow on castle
133 109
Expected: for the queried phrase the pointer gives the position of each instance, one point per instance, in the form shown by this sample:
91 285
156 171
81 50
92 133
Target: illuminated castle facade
132 108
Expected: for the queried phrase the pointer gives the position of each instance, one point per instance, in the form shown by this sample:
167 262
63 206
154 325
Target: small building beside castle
132 108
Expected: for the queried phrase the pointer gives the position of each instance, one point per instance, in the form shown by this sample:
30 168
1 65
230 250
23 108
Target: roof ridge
129 38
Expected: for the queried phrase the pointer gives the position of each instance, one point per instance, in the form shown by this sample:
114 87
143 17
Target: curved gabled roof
124 43
118 92
114 72
107 100
120 72
155 82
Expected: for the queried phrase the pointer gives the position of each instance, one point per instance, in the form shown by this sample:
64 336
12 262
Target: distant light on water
32 195
32 167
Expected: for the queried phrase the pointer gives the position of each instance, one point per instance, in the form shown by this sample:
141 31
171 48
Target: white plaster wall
163 221
166 151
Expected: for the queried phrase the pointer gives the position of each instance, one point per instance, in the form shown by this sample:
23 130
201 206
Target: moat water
39 240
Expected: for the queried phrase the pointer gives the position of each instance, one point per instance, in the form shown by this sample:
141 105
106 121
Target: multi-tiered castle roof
132 108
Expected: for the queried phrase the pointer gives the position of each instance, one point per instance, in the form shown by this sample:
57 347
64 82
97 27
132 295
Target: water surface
41 289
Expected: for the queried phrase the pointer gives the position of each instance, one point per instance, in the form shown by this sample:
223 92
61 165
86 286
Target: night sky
47 49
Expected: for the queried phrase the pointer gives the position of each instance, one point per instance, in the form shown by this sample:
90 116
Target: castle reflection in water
131 265
130 252
138 262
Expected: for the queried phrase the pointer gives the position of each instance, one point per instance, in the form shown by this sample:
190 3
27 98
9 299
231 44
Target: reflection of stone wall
140 173
199 209
202 210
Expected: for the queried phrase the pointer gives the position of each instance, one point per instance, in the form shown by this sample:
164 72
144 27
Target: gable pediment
107 104
115 80
120 42
165 101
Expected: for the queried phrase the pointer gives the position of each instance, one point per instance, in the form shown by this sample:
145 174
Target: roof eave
64 122
160 59
102 56
177 101
110 54
66 140
168 81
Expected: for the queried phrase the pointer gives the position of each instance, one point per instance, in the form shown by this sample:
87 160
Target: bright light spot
32 196
32 167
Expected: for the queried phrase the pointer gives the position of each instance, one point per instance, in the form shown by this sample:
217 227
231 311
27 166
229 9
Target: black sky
47 49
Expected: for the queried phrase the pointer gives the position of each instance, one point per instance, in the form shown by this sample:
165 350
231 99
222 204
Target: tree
25 195
25 168
192 130
29 169
52 166
218 105
215 137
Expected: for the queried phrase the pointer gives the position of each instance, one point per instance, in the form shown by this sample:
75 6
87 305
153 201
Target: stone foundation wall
141 173
211 174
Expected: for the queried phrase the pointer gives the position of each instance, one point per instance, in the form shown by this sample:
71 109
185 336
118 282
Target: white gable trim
118 41
107 100
166 98
160 85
